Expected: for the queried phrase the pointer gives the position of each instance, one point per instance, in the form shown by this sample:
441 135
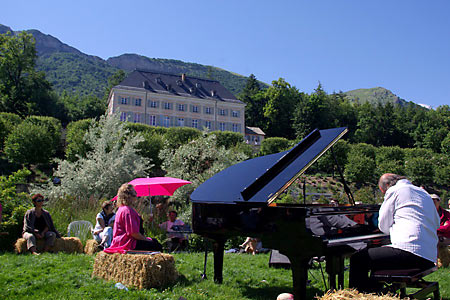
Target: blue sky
401 45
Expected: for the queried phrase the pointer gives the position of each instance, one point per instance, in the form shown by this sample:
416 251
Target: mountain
375 95
71 70
128 62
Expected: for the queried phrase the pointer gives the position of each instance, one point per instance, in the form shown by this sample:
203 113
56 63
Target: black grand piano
240 200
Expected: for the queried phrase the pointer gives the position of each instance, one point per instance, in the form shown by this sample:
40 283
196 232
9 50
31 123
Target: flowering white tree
112 161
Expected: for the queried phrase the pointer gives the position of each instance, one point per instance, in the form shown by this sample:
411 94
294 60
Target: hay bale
91 247
443 256
354 294
138 270
64 244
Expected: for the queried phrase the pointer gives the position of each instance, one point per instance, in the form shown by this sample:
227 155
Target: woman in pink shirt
128 230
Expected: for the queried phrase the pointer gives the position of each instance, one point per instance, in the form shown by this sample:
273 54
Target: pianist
409 216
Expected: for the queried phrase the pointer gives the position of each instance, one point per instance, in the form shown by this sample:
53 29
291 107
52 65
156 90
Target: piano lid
263 179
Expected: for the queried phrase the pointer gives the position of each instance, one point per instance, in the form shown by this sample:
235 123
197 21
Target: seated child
177 241
103 230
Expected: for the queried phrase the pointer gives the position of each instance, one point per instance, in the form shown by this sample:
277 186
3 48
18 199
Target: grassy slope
63 276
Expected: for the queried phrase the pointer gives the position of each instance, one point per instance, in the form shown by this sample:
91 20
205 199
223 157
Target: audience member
103 230
177 240
409 216
128 227
38 224
444 228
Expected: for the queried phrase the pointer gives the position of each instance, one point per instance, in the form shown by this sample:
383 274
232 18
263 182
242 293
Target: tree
22 90
112 161
278 111
34 141
254 109
274 145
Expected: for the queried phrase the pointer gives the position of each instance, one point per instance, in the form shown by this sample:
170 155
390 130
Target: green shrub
327 164
14 206
441 166
177 136
445 145
359 168
419 170
29 144
365 195
150 147
274 145
228 139
364 149
53 127
75 144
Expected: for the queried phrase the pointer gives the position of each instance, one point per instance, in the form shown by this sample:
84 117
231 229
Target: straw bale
64 244
354 294
91 247
138 270
444 256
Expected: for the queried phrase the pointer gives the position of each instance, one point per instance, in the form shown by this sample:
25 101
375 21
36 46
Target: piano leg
299 266
335 267
218 250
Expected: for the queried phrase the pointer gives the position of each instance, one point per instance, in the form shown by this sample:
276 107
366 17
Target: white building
169 100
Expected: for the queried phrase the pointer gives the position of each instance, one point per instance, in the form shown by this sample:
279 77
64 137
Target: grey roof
254 130
166 83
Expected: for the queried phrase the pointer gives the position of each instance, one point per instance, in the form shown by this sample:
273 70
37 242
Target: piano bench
395 280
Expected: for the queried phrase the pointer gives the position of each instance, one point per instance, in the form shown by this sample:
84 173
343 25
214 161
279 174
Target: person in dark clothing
38 224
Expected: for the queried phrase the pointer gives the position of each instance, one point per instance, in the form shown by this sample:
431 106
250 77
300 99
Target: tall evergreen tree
251 96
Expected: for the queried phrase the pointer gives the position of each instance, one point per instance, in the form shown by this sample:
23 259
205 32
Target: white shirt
409 216
100 216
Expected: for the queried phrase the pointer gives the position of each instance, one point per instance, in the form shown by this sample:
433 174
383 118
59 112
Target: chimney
183 77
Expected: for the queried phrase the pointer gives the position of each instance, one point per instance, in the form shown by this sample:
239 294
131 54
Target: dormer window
198 85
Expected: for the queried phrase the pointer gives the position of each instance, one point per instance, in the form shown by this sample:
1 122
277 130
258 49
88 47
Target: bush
150 147
364 149
365 195
274 145
359 168
419 170
52 125
177 136
75 144
30 144
14 206
112 161
390 160
327 164
441 166
228 139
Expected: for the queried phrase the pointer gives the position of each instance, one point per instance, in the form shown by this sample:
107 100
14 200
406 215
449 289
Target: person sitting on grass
177 241
128 229
38 224
103 230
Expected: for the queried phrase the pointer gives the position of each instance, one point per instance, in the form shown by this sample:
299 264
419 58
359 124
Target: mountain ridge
69 69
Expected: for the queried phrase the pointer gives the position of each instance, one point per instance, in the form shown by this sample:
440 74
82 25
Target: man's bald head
387 180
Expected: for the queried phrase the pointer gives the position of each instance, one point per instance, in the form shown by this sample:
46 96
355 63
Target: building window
123 100
208 110
166 122
137 118
167 105
235 127
137 102
222 112
180 107
208 124
153 104
195 123
195 108
235 114
152 121
222 126
123 116
180 122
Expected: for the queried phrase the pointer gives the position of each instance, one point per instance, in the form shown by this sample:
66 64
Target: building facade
169 100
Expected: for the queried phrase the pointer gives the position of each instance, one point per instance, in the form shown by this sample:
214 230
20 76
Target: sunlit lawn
64 276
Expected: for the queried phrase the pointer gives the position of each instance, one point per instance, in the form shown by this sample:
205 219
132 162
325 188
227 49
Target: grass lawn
67 276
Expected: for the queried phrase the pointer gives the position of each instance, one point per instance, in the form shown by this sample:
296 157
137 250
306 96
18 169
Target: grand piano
241 201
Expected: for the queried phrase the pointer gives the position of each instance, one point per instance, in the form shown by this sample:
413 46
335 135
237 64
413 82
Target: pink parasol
156 186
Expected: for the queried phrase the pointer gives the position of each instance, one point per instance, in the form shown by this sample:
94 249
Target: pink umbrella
156 186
